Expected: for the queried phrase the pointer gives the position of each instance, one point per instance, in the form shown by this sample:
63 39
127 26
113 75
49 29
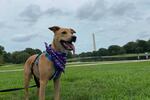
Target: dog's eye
64 32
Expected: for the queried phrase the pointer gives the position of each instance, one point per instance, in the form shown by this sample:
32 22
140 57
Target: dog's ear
54 28
72 30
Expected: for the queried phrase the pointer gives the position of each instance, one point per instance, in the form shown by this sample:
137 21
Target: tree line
16 57
133 47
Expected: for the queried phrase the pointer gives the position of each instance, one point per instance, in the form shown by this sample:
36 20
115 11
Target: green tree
37 51
19 57
103 52
69 55
131 47
1 54
1 50
94 53
22 57
142 46
32 51
86 54
115 49
7 57
148 44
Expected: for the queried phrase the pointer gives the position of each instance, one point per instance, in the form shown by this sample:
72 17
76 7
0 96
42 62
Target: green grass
11 67
126 81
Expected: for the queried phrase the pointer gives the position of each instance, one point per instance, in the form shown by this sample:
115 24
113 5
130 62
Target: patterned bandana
58 58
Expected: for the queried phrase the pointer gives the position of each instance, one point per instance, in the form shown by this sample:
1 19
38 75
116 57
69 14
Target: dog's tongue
73 49
70 46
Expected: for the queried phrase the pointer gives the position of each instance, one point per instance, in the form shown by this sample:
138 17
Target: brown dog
62 42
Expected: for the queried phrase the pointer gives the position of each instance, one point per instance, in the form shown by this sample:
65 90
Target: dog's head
64 38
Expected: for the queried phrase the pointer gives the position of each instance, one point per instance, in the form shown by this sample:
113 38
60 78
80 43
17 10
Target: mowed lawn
122 81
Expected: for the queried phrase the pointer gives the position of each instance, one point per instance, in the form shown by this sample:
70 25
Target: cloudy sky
24 23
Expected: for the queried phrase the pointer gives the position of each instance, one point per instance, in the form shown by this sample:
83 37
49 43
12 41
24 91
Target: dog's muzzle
68 45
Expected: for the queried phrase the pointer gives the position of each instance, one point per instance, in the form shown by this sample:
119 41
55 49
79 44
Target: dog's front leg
57 89
43 84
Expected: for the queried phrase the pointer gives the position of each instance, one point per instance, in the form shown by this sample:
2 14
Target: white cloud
113 21
31 14
24 37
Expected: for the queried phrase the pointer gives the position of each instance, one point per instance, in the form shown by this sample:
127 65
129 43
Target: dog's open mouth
68 45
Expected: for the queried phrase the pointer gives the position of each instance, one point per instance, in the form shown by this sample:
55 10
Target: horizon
83 51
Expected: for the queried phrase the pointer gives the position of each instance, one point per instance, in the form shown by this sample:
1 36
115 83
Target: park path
108 62
91 64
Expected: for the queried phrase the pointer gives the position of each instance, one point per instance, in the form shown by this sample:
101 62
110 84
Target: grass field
118 81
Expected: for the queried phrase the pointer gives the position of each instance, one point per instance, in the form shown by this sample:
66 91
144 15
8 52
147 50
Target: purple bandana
58 58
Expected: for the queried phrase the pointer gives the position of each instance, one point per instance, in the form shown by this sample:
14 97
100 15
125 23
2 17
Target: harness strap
36 62
35 78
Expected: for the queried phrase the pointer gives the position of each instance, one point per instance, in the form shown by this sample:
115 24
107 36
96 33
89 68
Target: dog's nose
73 38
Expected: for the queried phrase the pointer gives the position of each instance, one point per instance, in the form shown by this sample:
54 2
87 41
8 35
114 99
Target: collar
58 58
